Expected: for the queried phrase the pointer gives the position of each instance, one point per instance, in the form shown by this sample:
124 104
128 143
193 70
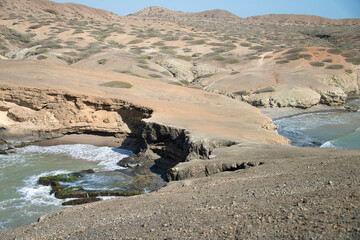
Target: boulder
7 149
333 96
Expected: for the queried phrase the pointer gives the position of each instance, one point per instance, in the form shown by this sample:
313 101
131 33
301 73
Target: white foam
106 157
328 144
39 195
31 201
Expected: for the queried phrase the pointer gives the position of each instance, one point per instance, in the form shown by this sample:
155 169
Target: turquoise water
326 130
23 200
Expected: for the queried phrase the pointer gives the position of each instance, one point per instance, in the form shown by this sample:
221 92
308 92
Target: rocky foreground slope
295 193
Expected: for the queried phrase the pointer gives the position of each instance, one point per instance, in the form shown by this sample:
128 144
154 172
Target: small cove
337 129
23 200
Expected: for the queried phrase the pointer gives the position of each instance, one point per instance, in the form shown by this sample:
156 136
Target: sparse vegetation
265 90
36 26
198 42
143 66
233 61
186 58
102 61
245 44
305 56
170 38
242 93
185 82
295 50
136 50
219 58
293 56
352 58
154 75
52 11
117 84
328 60
334 51
335 67
283 61
69 60
234 73
168 50
317 64
42 57
159 43
136 41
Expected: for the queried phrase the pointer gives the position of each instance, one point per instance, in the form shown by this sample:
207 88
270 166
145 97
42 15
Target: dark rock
7 148
77 192
81 201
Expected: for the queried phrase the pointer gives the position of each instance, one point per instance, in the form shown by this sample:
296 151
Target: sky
325 8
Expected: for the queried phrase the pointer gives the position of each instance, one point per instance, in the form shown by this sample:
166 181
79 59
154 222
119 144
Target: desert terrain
186 91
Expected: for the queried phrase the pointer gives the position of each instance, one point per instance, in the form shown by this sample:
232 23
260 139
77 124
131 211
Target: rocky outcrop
184 70
31 114
177 144
206 169
180 69
348 82
294 97
19 54
201 70
27 109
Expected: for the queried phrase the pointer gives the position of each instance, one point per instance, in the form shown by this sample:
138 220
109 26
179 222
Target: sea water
326 129
23 200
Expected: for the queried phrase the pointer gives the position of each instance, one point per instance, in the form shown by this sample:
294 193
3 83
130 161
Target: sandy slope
203 114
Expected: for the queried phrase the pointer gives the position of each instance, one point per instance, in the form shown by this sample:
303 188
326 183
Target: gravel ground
296 194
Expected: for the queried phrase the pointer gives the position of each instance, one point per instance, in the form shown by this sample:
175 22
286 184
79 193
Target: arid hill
253 60
46 8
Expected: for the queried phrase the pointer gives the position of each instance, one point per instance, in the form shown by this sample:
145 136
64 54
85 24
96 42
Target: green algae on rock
62 191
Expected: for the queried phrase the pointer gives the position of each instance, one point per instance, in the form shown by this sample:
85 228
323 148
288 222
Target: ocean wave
328 144
31 201
37 194
106 157
314 120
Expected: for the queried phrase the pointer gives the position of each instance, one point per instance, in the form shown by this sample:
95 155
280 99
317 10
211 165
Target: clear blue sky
325 8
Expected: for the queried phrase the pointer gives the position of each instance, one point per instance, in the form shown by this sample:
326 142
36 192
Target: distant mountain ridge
74 10
218 14
160 12
301 19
